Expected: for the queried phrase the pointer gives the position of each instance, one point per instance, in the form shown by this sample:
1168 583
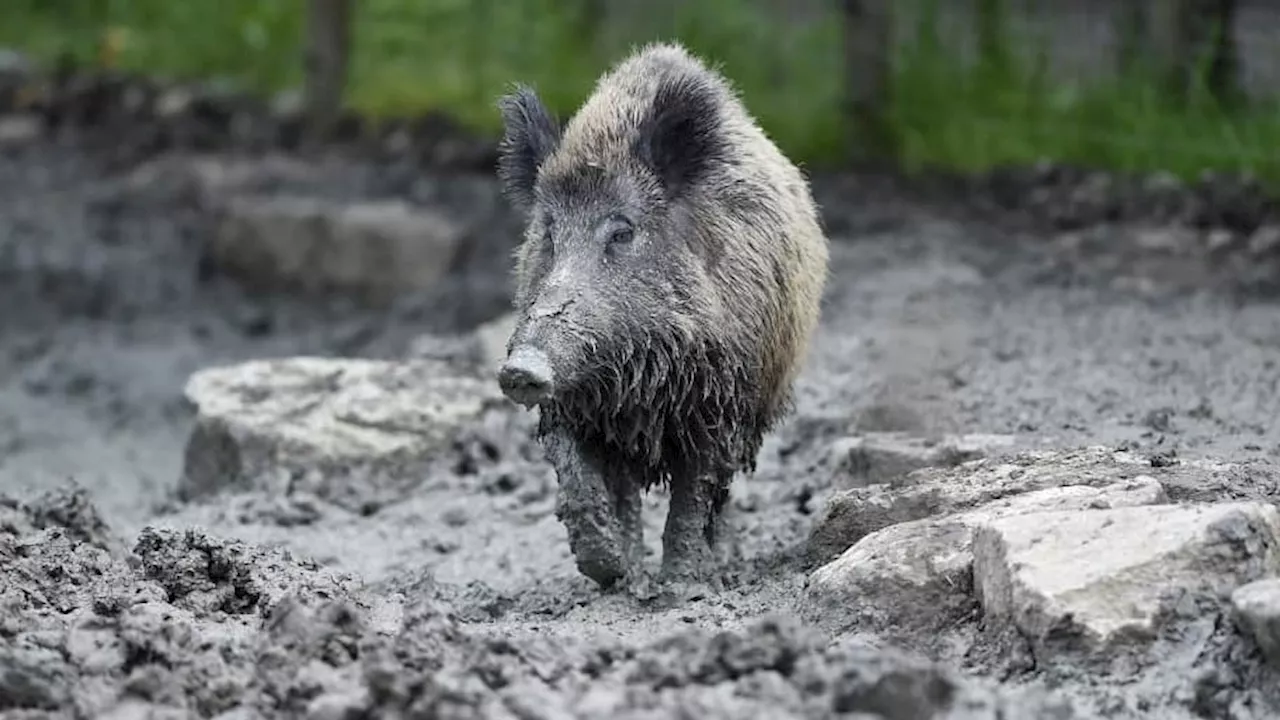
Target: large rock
883 457
1089 581
920 572
1257 609
480 351
851 515
17 130
353 432
373 249
16 72
211 180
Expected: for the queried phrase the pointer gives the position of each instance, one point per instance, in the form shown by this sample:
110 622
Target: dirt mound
189 624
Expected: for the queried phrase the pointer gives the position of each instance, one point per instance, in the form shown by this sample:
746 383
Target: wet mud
461 599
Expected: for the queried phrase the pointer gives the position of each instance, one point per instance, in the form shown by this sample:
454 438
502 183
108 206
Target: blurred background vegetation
1130 85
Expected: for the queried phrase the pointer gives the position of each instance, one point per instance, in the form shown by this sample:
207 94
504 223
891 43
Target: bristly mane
666 408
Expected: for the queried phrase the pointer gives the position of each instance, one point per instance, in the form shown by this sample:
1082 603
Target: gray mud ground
931 325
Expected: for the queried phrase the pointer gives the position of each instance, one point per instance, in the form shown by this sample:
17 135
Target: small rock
1162 182
881 457
214 181
174 102
372 249
850 515
16 87
288 104
536 701
1219 239
71 508
397 140
33 678
338 705
459 351
921 570
1160 419
1089 580
1257 607
1265 240
914 572
1163 239
13 62
482 350
1071 241
455 517
134 709
19 129
348 431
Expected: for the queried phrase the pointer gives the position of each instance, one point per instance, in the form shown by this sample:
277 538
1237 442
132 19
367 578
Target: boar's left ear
681 137
530 135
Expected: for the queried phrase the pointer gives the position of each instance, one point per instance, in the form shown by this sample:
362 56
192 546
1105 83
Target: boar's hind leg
719 532
587 508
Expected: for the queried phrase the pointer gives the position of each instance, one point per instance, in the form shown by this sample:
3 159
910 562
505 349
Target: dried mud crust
185 624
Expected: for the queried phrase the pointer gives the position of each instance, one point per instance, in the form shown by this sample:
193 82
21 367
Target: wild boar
667 285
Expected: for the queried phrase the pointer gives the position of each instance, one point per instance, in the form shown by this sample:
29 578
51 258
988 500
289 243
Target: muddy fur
672 267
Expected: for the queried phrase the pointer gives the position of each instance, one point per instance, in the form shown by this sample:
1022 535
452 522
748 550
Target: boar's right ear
530 135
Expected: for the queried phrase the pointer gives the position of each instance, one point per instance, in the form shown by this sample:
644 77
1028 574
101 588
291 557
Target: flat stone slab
373 249
481 351
852 514
920 572
19 129
883 457
1257 610
349 431
1091 580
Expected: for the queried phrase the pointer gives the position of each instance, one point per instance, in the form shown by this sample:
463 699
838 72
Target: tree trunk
1180 40
868 44
328 46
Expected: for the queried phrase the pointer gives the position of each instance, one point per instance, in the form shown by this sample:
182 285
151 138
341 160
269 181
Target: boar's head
617 317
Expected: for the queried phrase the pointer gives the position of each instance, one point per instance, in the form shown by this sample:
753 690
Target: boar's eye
620 230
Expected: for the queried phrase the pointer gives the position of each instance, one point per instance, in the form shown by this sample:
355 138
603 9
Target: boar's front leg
588 508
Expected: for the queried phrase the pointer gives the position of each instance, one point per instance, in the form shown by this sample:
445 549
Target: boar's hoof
689 574
598 556
526 377
673 592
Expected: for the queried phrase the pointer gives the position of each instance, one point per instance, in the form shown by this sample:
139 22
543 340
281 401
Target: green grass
458 55
1005 110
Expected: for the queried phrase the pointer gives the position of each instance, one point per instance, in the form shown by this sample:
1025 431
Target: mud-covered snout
527 376
545 352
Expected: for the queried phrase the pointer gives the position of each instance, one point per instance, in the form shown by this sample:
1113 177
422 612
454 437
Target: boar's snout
526 376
